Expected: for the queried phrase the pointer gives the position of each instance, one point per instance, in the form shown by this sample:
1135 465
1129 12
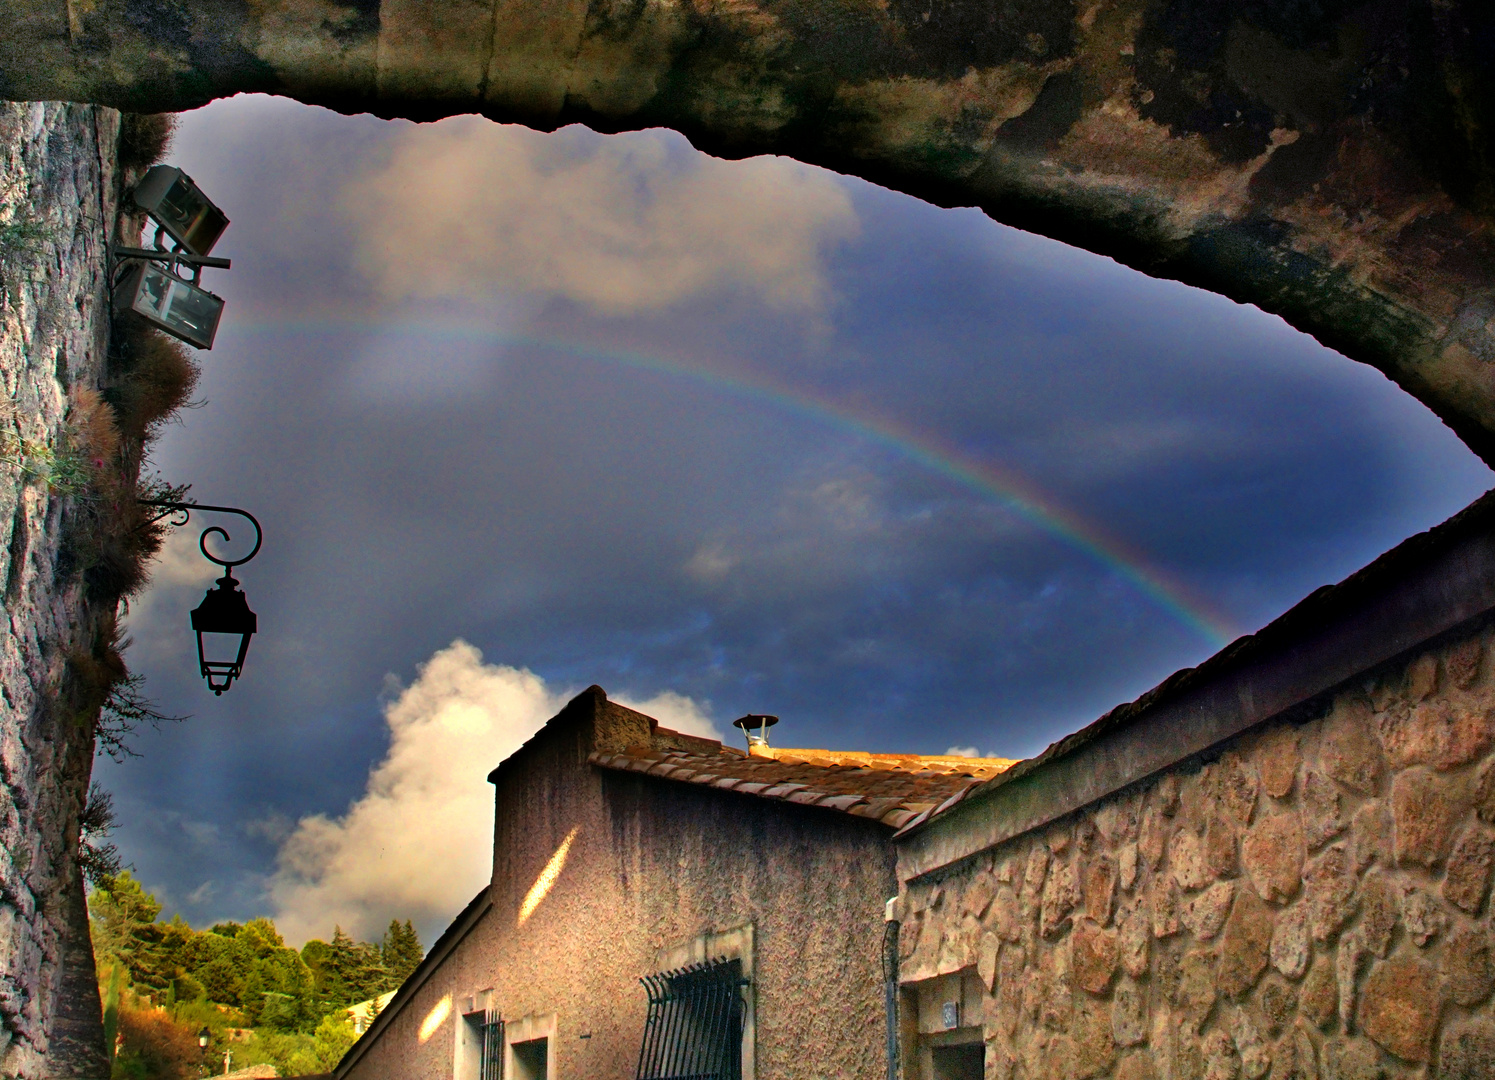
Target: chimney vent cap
757 740
755 720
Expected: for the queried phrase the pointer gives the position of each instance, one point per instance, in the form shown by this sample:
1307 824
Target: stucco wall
57 166
652 865
1311 900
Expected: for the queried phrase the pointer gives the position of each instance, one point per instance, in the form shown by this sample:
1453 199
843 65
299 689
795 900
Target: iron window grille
491 1064
694 1027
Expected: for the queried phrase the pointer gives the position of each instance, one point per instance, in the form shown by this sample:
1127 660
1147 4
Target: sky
524 412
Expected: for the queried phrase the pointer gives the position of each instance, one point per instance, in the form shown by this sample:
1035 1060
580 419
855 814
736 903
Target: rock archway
1331 161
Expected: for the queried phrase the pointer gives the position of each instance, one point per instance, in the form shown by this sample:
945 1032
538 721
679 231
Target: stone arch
1330 161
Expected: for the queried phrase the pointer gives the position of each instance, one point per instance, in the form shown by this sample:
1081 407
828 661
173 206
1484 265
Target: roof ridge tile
891 789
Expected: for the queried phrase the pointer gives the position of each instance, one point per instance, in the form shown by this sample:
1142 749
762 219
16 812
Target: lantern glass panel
178 307
221 657
222 650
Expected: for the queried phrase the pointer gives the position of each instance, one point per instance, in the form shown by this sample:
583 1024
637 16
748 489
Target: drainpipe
890 981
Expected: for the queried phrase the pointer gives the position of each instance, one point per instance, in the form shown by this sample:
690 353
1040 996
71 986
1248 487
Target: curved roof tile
893 789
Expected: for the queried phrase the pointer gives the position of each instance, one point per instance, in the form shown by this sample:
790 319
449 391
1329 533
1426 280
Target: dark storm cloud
656 529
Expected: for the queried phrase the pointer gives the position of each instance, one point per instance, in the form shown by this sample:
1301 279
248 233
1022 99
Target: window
963 1062
941 1028
694 1027
527 1048
480 1053
530 1059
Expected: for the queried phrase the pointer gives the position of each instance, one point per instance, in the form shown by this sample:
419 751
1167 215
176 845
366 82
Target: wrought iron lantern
180 208
203 1038
223 624
223 621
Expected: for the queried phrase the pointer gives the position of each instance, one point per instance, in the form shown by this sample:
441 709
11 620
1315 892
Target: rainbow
1016 492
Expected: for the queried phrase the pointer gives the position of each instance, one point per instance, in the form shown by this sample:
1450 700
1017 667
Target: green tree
279 992
345 971
368 976
223 965
175 954
329 989
261 935
122 922
117 908
332 1039
401 951
315 953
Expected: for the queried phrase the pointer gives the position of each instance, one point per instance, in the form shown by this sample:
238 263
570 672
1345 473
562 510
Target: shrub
153 1046
85 445
103 691
152 376
91 430
113 538
144 138
97 858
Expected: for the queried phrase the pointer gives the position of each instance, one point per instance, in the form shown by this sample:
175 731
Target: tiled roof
890 788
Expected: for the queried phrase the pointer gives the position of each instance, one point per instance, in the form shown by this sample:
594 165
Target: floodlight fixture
161 296
163 283
180 209
223 621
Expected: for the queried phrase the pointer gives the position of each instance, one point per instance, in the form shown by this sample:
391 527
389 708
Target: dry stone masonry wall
57 171
1311 903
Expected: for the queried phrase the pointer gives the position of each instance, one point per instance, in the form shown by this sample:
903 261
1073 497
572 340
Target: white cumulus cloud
623 223
418 842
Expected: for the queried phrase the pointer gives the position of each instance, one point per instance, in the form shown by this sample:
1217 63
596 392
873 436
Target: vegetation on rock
144 138
100 459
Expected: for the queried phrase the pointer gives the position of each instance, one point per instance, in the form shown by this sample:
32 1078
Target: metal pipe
162 255
890 930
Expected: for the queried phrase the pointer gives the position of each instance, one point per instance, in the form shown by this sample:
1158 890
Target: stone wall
1310 900
57 166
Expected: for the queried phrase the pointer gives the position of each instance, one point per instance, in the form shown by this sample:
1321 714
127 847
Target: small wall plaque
950 1014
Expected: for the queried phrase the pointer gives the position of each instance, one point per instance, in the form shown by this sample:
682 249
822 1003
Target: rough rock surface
1369 957
1331 162
56 165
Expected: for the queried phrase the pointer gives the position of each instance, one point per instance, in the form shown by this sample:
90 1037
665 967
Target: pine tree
336 971
401 951
369 977
122 919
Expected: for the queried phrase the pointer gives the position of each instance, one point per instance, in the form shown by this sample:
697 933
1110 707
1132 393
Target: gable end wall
651 865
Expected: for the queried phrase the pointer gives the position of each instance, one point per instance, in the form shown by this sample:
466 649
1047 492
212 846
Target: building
729 904
362 1014
1275 864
